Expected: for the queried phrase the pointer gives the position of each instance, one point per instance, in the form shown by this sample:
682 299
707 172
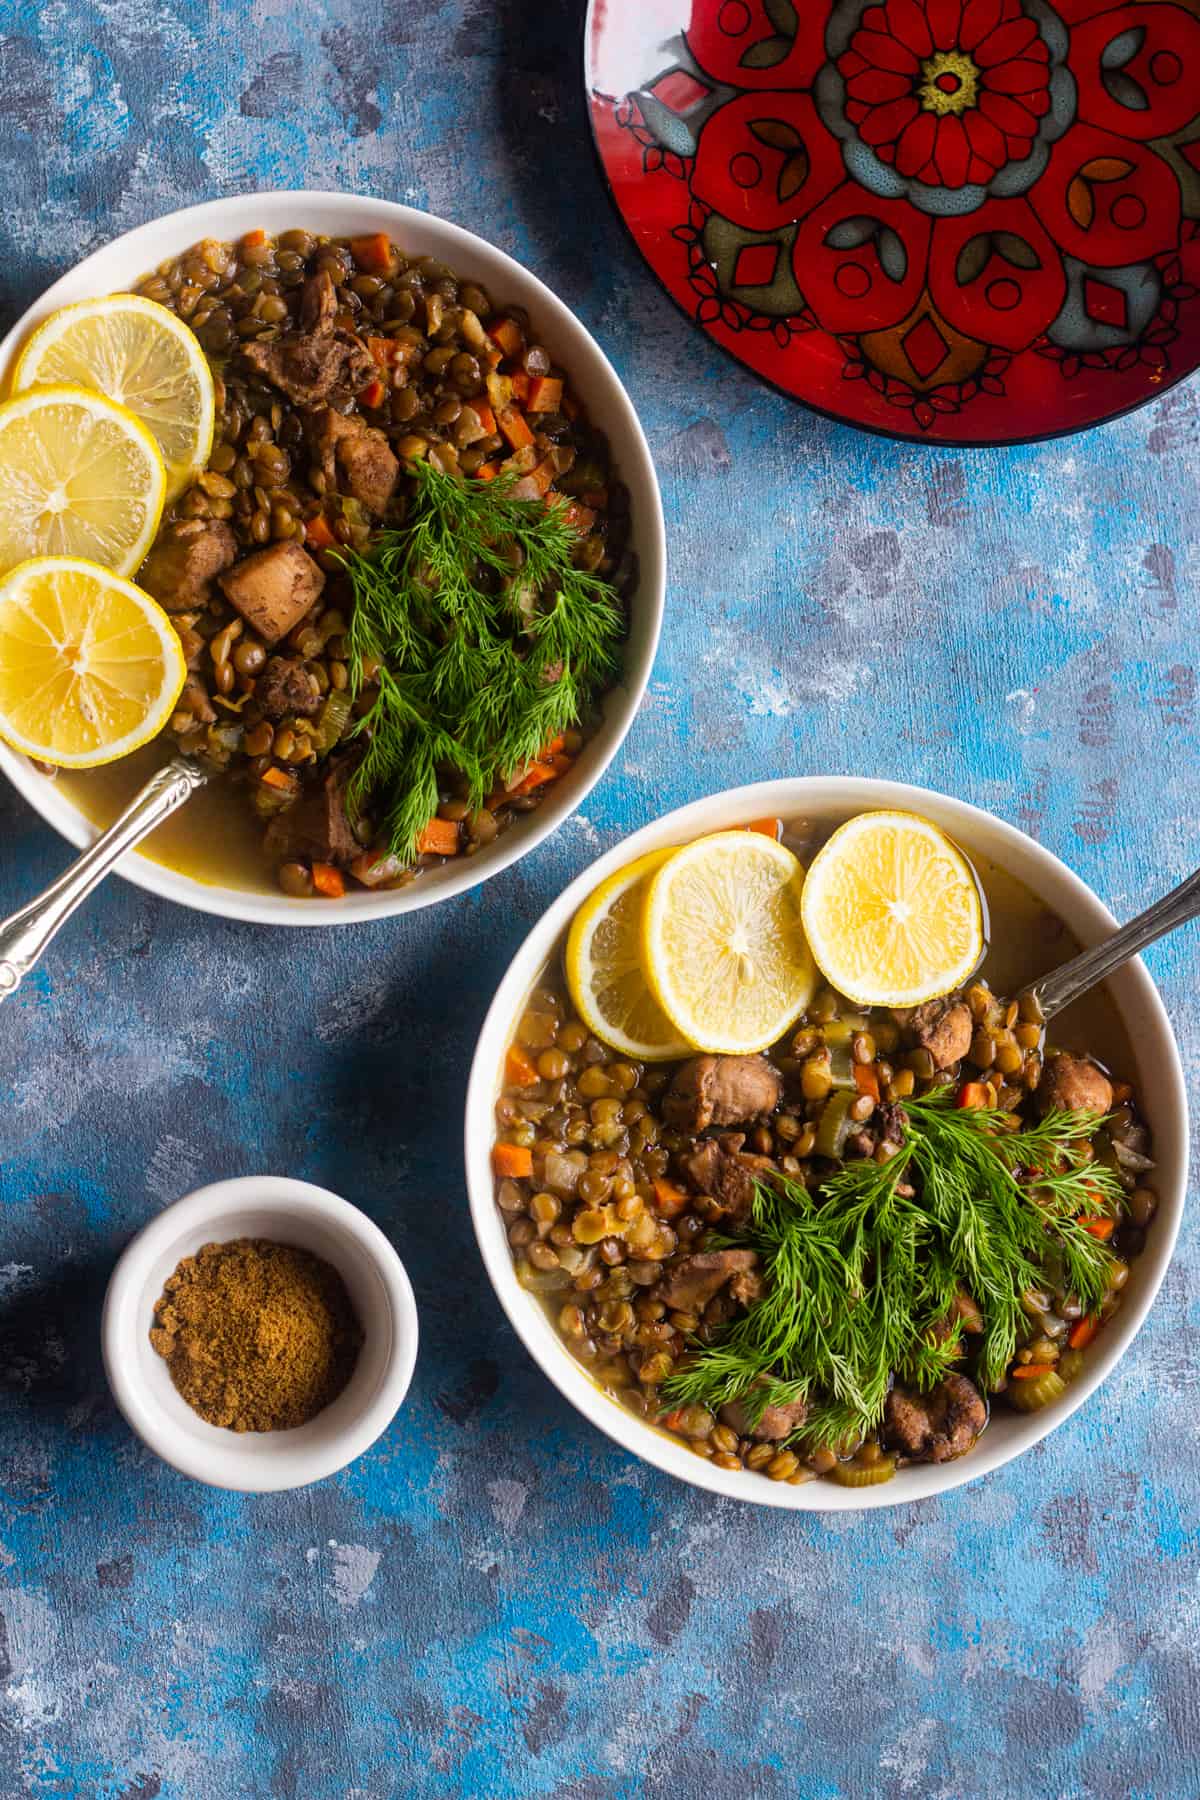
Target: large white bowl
1159 1081
120 263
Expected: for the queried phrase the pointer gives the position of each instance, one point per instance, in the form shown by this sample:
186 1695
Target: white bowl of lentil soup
575 1150
308 465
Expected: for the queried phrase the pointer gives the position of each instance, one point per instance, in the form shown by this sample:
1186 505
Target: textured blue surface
495 1602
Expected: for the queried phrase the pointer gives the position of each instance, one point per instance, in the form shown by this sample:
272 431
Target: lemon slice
135 352
722 942
604 967
90 667
79 476
892 911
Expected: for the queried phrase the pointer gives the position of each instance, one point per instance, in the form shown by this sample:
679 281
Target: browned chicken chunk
317 827
274 588
711 1169
355 458
938 1426
1073 1083
287 686
722 1090
776 1421
692 1283
317 361
187 555
944 1028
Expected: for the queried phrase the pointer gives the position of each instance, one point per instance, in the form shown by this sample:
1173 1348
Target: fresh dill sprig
485 639
860 1276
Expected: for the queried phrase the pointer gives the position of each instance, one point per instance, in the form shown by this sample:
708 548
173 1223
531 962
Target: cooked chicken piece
187 555
286 687
722 1090
944 1028
1073 1083
274 588
355 458
937 1426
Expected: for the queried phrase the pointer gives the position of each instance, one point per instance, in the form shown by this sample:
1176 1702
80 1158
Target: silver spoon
25 934
1087 970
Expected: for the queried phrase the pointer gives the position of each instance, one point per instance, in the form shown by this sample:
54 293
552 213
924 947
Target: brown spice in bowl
257 1336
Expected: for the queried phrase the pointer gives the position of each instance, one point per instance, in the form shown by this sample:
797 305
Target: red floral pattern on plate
977 220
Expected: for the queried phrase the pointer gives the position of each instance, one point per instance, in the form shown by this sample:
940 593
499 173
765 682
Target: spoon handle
25 934
1057 990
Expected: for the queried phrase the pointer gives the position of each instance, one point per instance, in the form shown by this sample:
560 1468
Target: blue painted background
494 1602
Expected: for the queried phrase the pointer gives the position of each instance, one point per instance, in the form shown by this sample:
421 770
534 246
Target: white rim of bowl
1090 920
342 214
206 1207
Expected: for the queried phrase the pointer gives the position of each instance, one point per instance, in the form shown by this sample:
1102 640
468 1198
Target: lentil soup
339 365
633 1195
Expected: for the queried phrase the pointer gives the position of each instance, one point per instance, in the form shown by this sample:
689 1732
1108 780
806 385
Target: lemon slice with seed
722 941
604 967
79 476
136 352
892 911
90 667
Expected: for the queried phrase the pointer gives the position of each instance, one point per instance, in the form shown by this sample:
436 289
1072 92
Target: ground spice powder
258 1336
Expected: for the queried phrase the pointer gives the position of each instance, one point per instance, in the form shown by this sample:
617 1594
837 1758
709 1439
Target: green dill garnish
860 1275
484 637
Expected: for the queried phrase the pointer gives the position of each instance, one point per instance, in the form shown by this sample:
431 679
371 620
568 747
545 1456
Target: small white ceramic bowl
1160 1086
289 1212
121 263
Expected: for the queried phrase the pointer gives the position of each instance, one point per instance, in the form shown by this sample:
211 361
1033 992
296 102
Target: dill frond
489 642
860 1277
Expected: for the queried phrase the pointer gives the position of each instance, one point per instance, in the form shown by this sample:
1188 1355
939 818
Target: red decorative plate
972 221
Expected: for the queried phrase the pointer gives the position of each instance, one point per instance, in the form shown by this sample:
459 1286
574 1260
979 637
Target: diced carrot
512 1160
375 255
488 471
866 1079
506 334
545 394
536 775
1099 1228
1027 1371
512 424
253 240
373 394
328 881
319 533
439 838
670 1200
519 1068
276 777
772 828
383 350
672 1420
1083 1332
972 1094
551 747
484 414
520 387
596 498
